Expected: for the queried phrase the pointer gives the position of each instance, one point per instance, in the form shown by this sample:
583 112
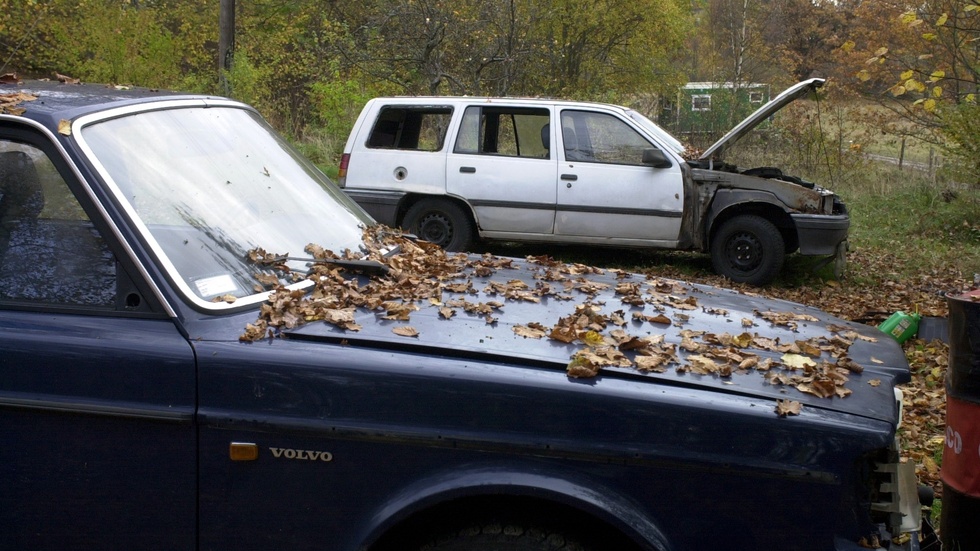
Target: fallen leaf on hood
10 103
530 331
659 318
405 331
821 388
788 407
797 361
581 367
657 364
592 338
341 317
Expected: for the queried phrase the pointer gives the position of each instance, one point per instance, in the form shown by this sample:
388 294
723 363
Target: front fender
761 202
590 497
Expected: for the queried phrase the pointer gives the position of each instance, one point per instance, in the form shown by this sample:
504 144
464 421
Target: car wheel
441 222
748 249
504 536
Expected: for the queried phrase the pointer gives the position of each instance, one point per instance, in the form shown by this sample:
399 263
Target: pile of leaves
421 273
924 424
10 104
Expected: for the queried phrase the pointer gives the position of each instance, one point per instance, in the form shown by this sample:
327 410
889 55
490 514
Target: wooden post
901 154
226 42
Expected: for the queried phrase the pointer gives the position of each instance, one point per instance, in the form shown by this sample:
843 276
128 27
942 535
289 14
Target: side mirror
656 158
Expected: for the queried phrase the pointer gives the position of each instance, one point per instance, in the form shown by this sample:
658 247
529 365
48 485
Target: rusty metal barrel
960 521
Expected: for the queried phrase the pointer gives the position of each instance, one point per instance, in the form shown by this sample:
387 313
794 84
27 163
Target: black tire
504 536
442 222
748 249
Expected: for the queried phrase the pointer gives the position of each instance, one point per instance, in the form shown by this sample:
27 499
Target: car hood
487 315
717 150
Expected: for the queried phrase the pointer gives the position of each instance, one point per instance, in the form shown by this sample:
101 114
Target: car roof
489 100
55 101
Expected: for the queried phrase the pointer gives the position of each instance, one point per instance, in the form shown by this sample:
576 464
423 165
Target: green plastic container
901 326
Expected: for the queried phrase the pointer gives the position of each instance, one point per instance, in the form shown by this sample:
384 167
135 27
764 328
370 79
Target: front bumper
820 234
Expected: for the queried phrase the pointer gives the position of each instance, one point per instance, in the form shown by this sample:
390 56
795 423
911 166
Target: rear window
419 128
509 131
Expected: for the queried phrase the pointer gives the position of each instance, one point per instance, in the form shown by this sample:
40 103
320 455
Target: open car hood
717 150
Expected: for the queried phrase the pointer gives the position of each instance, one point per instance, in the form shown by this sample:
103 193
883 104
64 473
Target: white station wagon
456 169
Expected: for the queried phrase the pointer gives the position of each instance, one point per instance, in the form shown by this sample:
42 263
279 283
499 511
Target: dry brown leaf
405 331
581 367
797 361
788 407
66 79
656 363
529 332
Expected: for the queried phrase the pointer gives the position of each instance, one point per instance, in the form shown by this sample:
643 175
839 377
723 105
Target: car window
510 131
206 186
602 138
50 253
410 127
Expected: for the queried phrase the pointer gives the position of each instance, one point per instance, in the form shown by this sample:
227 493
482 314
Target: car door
404 150
97 385
606 191
503 165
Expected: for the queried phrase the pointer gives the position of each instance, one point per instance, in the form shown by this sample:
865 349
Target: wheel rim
744 252
436 228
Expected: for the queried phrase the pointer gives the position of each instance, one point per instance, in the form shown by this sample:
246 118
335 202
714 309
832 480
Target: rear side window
420 128
510 131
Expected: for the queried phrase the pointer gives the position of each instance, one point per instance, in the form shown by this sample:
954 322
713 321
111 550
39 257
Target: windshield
206 185
660 133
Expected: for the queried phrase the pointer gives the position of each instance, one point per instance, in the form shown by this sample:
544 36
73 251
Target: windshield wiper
366 267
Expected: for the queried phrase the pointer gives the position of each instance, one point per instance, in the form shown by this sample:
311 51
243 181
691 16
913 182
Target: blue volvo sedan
205 345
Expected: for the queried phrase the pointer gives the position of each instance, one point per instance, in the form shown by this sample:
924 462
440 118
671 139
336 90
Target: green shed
704 111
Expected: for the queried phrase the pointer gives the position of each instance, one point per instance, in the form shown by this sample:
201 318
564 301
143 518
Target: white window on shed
756 97
701 102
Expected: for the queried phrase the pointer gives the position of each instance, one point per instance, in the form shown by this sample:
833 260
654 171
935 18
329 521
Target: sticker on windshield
216 285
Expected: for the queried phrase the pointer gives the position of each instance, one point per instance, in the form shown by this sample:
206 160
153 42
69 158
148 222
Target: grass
923 226
322 149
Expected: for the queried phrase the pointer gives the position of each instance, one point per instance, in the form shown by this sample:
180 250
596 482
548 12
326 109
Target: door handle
569 177
467 169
